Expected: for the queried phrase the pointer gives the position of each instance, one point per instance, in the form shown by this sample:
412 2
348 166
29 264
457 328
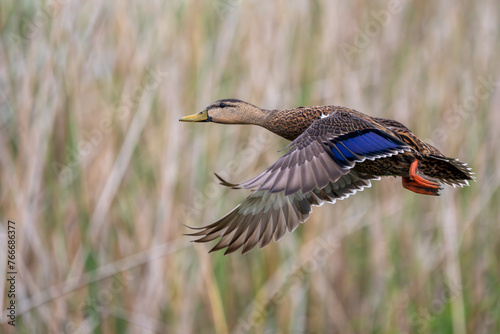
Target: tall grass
100 177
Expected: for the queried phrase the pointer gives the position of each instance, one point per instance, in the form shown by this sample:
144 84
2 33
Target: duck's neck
290 123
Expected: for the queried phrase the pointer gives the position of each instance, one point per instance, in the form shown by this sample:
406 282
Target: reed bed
100 177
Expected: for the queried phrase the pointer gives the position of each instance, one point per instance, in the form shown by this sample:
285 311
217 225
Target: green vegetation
100 177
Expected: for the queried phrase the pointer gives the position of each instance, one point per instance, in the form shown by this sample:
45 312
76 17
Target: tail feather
449 171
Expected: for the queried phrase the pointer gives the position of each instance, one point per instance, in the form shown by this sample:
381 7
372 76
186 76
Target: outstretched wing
317 168
265 215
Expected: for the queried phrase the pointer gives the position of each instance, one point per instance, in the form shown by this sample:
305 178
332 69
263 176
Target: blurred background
99 175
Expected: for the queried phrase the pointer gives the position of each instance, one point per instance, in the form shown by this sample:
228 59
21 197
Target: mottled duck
335 152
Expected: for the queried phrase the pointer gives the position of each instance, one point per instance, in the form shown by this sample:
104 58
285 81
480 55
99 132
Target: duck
334 153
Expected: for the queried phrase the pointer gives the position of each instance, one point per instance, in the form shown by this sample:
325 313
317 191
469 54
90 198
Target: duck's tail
446 170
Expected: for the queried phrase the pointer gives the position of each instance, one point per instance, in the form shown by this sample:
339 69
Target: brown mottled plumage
335 151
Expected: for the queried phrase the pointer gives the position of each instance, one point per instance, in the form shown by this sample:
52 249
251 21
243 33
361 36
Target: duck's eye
222 105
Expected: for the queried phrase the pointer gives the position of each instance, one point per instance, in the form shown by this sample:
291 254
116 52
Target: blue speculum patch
349 148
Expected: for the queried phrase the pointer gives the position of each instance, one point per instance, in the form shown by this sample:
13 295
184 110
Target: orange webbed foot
418 188
418 184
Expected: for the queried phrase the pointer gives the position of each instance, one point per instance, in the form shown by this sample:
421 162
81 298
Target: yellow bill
199 117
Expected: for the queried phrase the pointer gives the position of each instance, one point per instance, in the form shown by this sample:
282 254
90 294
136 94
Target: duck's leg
418 184
418 188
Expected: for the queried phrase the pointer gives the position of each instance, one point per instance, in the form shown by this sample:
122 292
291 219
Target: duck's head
229 111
